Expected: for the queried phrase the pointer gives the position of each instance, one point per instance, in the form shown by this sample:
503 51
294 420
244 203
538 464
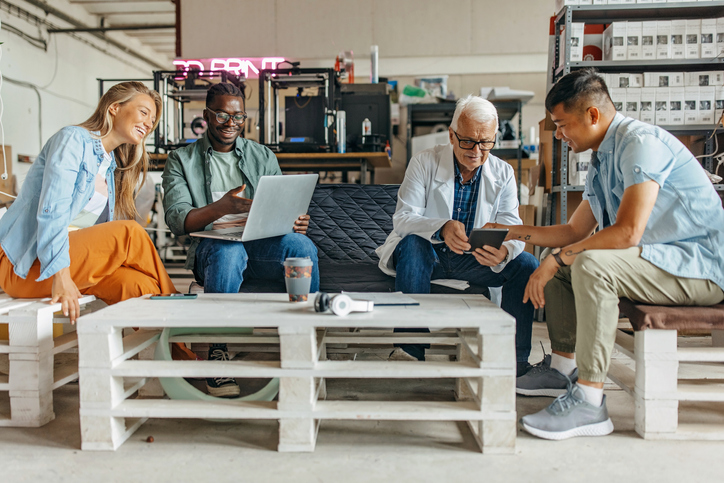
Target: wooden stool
31 352
655 385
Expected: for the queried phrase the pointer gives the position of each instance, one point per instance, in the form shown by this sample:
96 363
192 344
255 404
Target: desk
365 163
483 334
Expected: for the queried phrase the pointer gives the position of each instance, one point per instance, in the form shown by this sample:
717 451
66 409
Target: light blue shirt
685 232
59 184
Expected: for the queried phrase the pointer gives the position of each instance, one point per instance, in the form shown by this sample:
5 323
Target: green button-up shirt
187 181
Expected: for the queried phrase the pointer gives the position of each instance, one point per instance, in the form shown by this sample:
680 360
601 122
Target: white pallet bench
668 372
31 352
484 369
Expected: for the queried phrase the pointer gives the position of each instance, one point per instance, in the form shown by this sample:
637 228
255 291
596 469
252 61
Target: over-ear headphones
341 304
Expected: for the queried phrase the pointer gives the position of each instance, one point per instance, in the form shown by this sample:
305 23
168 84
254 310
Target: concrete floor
351 451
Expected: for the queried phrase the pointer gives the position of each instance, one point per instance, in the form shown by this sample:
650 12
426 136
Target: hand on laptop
301 224
233 203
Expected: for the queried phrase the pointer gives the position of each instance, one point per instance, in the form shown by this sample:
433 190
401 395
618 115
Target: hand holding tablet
493 237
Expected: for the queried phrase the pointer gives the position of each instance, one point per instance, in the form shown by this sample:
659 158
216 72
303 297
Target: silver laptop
278 202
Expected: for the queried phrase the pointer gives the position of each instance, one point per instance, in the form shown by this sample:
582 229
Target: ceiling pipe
110 29
67 18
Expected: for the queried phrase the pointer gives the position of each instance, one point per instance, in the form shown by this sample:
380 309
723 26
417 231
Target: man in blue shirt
660 241
448 190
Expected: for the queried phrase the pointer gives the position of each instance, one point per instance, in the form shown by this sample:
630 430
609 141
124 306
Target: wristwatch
557 257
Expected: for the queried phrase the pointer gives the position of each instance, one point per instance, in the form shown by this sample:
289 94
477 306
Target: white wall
474 32
476 42
69 95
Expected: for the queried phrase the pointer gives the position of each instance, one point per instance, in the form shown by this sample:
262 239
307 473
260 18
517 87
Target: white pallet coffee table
484 369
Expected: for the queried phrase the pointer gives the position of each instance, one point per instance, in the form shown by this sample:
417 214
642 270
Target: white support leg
322 384
717 338
31 367
498 393
657 366
298 349
100 392
152 388
462 390
498 436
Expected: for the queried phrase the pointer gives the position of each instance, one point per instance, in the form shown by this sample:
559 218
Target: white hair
477 109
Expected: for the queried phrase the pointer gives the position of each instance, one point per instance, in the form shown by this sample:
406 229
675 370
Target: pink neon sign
248 67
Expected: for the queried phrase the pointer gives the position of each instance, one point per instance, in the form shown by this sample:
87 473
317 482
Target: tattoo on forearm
570 253
527 237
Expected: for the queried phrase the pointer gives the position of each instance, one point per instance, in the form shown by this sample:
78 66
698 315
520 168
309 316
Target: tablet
493 237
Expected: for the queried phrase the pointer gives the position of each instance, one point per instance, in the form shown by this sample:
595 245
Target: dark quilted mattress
348 223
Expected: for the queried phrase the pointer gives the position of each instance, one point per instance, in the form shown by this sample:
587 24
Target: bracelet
558 259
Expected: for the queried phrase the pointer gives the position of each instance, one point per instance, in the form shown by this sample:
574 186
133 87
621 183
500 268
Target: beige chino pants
582 302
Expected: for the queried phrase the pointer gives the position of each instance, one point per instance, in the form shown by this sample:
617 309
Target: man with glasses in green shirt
211 184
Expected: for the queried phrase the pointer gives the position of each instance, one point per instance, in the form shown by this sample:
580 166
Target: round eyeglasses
223 117
469 144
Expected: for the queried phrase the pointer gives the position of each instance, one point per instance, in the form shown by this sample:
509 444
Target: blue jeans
417 261
222 266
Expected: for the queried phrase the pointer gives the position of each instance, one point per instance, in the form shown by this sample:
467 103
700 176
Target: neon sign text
246 67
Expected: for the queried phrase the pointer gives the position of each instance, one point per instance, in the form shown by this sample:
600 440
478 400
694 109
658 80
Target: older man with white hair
448 190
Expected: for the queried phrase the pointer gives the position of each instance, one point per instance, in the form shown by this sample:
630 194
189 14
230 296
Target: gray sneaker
543 380
570 415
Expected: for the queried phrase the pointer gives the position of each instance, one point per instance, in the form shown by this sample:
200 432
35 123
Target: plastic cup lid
298 262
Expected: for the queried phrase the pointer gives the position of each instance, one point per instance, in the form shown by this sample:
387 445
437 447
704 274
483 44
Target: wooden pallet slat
301 337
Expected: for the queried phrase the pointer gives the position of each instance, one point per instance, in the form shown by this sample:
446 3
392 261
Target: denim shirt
57 187
685 231
187 181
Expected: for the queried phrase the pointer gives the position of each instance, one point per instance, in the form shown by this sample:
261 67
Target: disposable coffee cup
298 278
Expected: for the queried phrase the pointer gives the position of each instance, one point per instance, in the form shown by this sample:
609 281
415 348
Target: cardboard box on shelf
528 166
614 41
648 99
676 106
545 157
662 114
633 40
525 163
663 39
527 215
678 32
574 199
708 38
648 40
691 105
706 104
693 41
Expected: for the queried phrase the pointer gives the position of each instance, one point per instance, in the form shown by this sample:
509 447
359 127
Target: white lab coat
426 197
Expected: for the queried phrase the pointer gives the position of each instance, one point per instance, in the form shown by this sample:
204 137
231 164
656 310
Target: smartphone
174 296
493 237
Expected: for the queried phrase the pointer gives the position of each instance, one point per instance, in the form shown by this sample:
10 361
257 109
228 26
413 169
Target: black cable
34 41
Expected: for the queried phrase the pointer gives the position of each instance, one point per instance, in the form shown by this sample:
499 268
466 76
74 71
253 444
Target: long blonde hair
131 159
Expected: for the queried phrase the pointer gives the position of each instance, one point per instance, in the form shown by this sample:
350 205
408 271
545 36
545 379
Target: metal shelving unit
602 14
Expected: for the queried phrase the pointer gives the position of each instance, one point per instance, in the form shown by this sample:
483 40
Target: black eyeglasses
469 144
223 117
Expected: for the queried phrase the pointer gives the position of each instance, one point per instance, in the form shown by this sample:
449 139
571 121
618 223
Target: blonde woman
59 238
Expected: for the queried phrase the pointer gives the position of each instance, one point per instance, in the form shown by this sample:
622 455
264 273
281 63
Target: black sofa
348 222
